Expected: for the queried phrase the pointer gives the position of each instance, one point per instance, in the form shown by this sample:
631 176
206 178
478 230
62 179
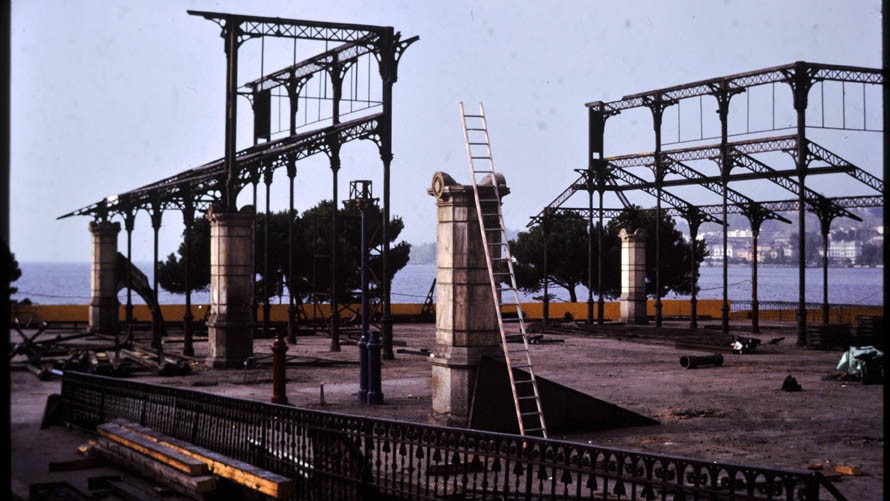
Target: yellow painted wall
278 312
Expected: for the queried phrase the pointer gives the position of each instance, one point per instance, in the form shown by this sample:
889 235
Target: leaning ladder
524 385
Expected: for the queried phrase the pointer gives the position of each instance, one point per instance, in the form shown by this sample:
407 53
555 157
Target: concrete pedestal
466 321
230 323
633 277
103 313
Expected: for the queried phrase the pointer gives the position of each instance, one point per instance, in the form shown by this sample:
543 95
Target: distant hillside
426 253
423 253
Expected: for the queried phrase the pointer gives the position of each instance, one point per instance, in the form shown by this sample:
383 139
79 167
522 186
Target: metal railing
337 456
786 311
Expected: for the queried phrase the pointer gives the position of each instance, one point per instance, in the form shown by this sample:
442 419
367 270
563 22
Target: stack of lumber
184 467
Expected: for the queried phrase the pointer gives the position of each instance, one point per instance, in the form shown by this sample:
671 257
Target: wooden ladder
524 385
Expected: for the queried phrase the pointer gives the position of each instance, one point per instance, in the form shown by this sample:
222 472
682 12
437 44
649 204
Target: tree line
567 255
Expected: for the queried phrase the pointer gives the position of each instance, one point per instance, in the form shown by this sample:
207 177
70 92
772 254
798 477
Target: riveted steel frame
800 76
218 182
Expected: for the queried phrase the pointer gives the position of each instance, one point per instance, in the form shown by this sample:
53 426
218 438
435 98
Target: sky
107 96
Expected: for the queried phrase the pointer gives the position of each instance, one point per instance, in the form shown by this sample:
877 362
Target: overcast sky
111 95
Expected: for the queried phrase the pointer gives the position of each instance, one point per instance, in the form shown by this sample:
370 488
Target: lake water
69 283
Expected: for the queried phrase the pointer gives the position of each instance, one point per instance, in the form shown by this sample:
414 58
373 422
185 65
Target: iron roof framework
671 168
218 182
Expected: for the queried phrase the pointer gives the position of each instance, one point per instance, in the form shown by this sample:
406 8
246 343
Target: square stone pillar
230 324
103 278
633 277
466 321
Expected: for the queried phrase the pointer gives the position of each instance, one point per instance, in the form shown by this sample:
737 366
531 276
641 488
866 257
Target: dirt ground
735 413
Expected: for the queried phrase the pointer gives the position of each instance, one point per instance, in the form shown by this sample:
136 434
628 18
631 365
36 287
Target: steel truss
604 175
219 182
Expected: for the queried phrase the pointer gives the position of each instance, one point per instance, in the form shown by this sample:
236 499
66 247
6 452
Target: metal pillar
267 311
600 301
589 247
545 234
335 312
188 216
291 302
156 213
230 33
694 220
129 224
800 86
389 75
254 304
369 345
723 97
756 221
657 107
596 127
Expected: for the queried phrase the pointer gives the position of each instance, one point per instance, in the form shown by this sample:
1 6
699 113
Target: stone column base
633 311
454 378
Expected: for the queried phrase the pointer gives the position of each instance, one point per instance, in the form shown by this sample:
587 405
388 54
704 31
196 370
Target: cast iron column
825 226
545 234
755 304
129 223
694 220
800 87
723 97
389 75
188 217
600 301
155 317
369 344
596 126
230 33
589 247
291 303
267 178
335 313
657 109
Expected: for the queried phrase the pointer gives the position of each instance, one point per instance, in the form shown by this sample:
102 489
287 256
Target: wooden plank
152 449
264 481
193 486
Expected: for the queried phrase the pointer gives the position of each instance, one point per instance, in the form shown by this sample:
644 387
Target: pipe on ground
692 362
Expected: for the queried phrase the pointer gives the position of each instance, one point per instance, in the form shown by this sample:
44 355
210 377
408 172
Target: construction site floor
736 412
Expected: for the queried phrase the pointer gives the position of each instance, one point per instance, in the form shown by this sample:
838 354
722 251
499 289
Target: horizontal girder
256 26
813 72
204 183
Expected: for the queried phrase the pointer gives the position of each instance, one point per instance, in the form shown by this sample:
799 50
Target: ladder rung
535 413
474 116
474 143
481 158
533 429
531 397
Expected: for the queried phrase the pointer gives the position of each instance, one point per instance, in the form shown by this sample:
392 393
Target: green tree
568 260
171 273
14 271
566 254
310 279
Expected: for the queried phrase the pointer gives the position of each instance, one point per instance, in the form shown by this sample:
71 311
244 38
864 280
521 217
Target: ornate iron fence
337 456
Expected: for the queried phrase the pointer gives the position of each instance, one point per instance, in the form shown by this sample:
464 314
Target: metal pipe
694 362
